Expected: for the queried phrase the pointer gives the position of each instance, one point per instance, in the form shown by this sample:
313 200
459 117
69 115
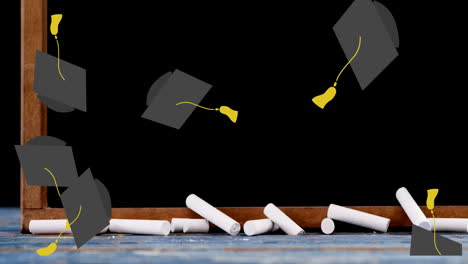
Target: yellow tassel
47 250
323 99
53 246
431 195
225 110
54 24
54 31
232 114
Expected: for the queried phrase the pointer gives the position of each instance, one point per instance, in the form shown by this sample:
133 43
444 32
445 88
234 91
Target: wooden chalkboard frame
34 30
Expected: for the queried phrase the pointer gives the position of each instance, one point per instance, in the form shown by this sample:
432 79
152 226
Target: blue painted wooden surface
215 248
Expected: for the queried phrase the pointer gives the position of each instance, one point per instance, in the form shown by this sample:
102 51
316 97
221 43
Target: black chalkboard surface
266 60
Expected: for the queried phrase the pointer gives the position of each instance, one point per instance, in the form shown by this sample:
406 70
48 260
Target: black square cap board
45 156
379 38
61 95
94 200
169 90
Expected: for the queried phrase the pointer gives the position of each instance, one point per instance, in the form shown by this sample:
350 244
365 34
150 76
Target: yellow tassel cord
58 59
55 181
323 99
431 195
350 60
53 246
435 243
232 114
206 108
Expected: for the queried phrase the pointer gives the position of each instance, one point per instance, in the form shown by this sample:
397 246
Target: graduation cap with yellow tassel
371 23
47 161
88 208
59 84
175 95
427 243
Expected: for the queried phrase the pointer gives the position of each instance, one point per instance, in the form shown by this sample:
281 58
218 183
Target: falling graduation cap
426 243
47 161
59 84
175 95
88 208
368 35
91 197
44 156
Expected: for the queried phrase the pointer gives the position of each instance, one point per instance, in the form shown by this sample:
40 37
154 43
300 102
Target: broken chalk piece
140 227
189 225
213 215
260 226
201 226
53 226
449 224
327 225
282 220
358 218
411 208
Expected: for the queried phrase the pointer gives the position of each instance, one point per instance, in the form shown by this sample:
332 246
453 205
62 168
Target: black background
10 106
266 60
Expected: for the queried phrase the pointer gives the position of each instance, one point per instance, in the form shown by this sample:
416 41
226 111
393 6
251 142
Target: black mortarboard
422 244
375 24
93 198
43 156
169 90
61 95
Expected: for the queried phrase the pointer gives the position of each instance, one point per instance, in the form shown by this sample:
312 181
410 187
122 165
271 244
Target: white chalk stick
188 225
327 225
196 226
358 218
140 227
177 224
449 224
260 226
48 226
411 208
52 226
282 220
212 214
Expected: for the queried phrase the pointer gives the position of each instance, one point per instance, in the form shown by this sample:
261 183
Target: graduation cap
368 35
175 95
94 200
426 243
377 27
59 84
423 244
88 208
47 161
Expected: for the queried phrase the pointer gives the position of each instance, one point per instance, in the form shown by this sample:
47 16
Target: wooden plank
306 217
33 112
